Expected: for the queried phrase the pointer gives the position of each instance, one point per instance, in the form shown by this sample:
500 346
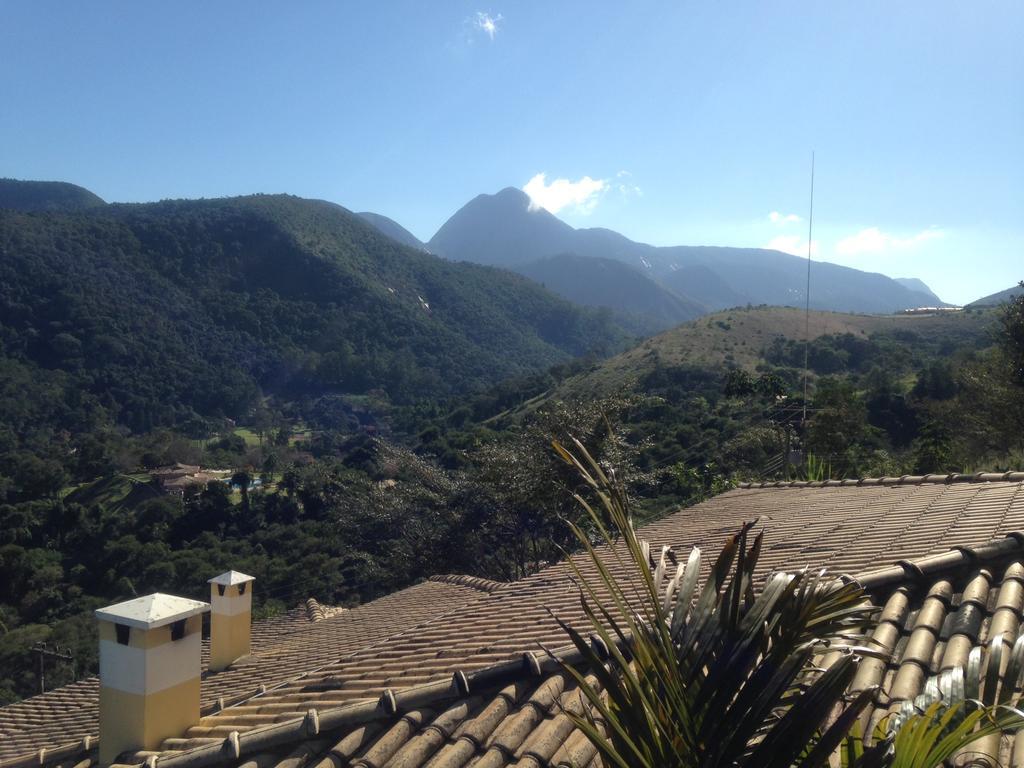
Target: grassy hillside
739 338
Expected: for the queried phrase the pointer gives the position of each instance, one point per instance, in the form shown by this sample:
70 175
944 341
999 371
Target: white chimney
149 671
230 619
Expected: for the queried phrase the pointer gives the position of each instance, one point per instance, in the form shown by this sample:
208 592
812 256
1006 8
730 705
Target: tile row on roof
462 580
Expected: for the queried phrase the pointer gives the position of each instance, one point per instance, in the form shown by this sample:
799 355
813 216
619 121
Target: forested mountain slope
177 312
46 196
393 229
918 285
610 283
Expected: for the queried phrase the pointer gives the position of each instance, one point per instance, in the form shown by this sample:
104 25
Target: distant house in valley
177 478
931 310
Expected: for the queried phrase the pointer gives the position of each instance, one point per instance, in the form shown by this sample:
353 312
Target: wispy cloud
793 244
874 240
582 195
486 23
624 183
783 218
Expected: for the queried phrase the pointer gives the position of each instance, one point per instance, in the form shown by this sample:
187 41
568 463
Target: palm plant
817 469
693 668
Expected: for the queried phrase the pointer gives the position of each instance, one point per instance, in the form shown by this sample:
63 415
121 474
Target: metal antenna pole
43 651
807 297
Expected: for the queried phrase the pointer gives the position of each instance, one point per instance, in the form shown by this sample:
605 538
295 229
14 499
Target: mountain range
505 230
649 288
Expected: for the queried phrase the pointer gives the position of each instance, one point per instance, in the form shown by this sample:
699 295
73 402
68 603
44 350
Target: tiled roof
283 647
853 529
934 611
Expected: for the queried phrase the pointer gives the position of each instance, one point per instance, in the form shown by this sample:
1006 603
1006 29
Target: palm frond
707 671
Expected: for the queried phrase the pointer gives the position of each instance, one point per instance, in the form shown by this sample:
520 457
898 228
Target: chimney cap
232 578
151 611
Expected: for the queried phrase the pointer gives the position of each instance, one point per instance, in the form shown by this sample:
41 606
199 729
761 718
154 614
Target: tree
1011 334
526 486
839 431
738 383
242 479
933 450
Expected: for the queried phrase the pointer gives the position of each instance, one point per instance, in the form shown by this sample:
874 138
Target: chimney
230 619
149 671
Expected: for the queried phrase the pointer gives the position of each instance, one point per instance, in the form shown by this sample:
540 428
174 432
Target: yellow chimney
230 619
149 671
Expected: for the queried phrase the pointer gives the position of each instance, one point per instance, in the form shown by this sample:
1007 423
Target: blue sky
673 123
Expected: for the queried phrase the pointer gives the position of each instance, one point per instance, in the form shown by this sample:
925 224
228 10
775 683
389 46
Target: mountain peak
501 230
510 193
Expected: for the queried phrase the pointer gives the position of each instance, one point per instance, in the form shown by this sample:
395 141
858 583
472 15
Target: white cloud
582 195
793 244
783 218
874 240
487 23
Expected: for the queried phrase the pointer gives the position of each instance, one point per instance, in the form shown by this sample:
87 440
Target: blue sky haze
674 123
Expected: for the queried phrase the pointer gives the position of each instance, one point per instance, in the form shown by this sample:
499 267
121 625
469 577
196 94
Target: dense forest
383 415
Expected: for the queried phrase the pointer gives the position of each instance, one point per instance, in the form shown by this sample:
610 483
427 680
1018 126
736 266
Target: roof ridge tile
938 479
920 568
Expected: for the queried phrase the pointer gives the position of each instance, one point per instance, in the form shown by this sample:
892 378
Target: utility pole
43 651
807 293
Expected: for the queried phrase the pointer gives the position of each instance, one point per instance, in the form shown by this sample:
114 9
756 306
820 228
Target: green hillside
1000 297
176 313
722 397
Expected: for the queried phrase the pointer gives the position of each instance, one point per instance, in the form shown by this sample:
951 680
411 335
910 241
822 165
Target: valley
285 385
